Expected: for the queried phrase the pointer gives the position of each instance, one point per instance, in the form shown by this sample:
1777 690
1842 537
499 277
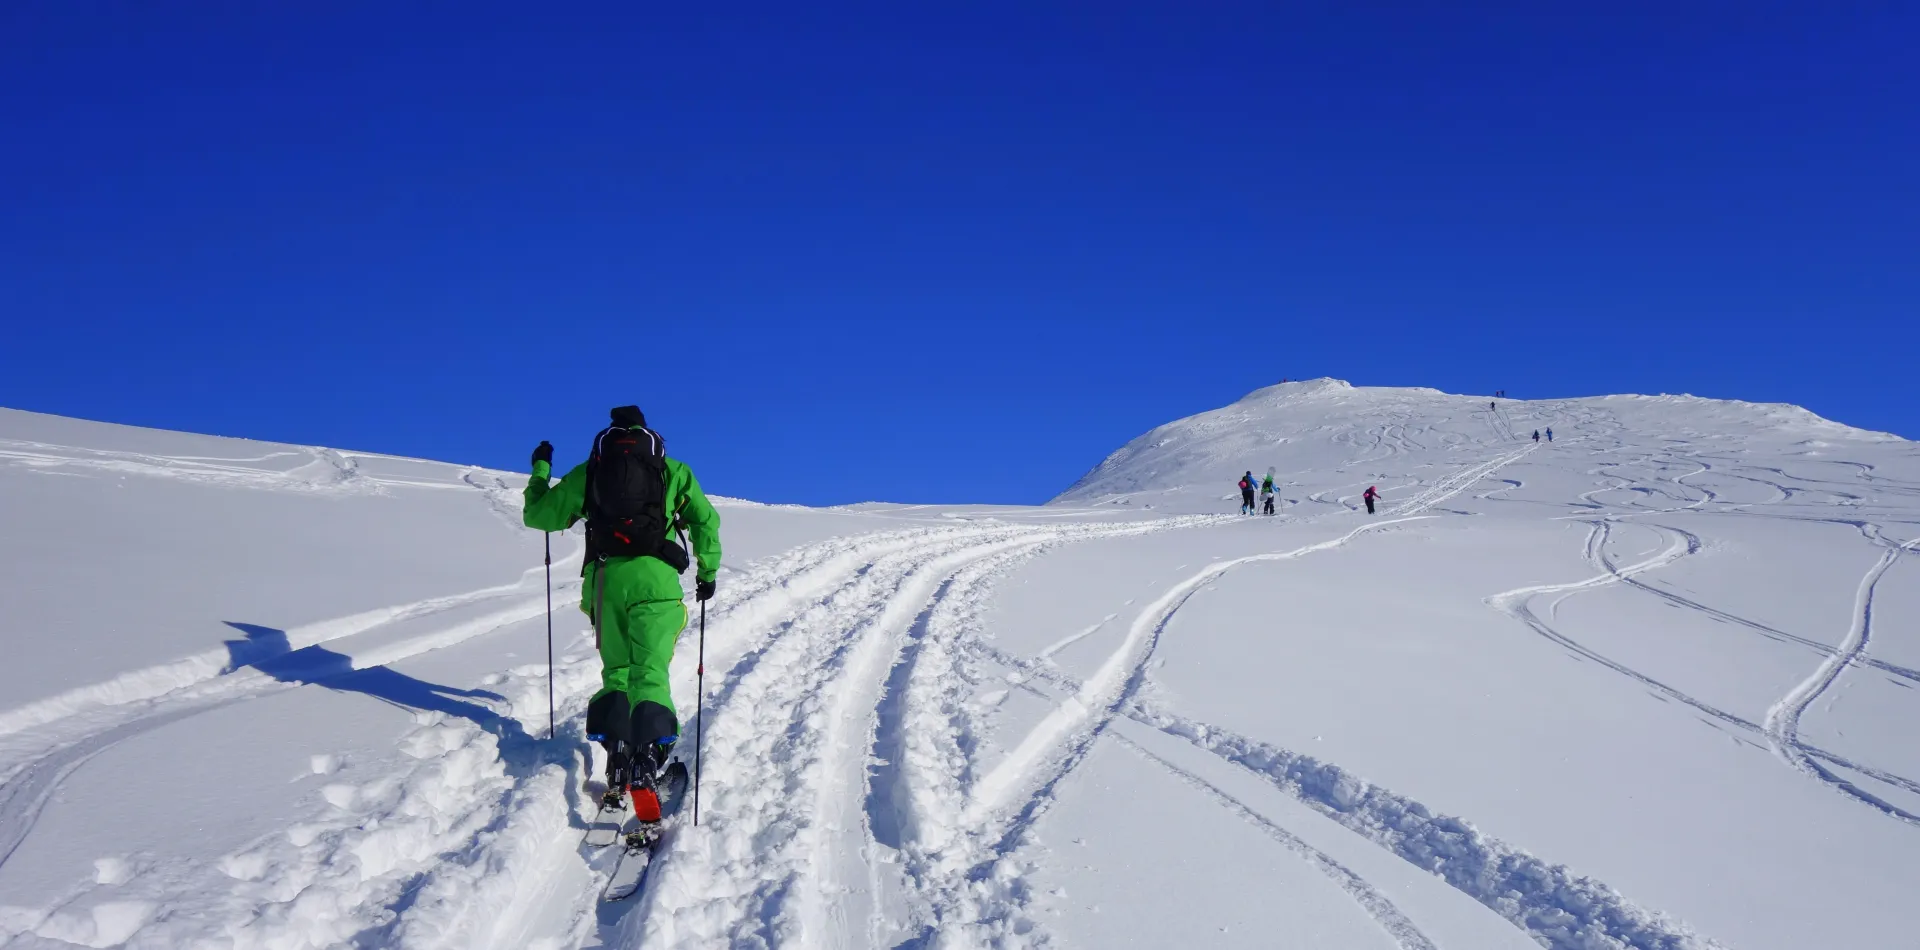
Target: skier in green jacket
636 501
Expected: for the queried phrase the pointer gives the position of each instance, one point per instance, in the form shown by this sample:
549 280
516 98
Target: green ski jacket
557 507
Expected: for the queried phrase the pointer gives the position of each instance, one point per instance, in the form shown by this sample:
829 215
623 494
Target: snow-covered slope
1653 685
1327 440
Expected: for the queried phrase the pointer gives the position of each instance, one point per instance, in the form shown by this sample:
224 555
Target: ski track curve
1549 902
1782 723
1804 757
1006 802
1099 696
1390 918
787 856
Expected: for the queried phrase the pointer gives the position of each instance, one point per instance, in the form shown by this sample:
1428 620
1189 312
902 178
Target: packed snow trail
466 904
826 613
786 736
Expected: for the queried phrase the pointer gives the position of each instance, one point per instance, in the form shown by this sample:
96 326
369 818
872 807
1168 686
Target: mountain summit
1323 435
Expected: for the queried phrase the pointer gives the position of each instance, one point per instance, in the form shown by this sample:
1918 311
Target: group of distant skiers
1248 486
1494 407
1265 488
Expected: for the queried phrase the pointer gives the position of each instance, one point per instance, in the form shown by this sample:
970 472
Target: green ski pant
636 643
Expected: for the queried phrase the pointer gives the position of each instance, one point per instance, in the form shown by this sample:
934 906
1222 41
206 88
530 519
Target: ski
628 876
601 823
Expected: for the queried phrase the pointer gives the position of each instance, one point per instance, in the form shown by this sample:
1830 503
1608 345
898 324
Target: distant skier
1536 435
1266 493
1247 485
1371 495
1491 407
633 497
1549 433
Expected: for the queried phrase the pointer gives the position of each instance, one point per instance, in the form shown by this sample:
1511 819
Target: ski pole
699 710
549 536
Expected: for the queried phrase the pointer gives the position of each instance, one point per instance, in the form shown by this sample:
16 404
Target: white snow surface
1652 685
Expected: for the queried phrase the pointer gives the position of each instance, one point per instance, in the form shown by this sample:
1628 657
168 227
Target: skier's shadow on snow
267 650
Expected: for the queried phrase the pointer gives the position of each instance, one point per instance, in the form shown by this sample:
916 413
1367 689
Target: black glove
703 590
544 453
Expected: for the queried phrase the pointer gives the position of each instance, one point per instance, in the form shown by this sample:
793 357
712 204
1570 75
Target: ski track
784 852
790 645
1780 728
1101 690
1007 802
843 659
1073 638
1554 906
502 892
323 470
1782 722
841 864
1550 903
937 741
791 840
411 829
1376 904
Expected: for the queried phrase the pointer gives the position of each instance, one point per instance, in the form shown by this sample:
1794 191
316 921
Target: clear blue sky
938 252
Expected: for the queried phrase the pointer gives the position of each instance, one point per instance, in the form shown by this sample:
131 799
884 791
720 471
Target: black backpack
626 497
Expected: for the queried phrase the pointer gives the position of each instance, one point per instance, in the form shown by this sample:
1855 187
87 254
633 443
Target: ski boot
643 791
642 782
618 766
